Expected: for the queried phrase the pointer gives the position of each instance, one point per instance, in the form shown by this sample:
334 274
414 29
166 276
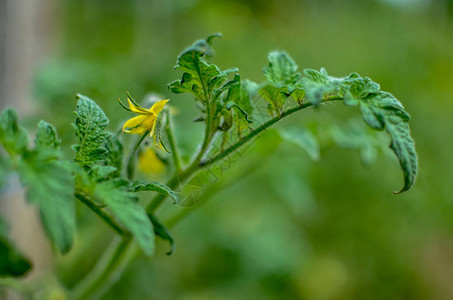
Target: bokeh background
271 223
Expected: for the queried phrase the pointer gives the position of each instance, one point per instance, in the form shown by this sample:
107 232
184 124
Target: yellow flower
146 119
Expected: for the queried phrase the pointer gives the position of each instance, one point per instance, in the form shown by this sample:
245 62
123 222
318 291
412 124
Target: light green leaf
319 86
304 139
91 136
50 186
155 187
123 205
46 137
274 96
12 136
282 69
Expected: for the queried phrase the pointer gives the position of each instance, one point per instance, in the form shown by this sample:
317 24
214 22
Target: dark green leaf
155 187
161 231
91 136
4 169
12 262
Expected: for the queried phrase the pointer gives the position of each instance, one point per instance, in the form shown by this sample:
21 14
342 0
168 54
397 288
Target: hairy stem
173 145
131 162
257 131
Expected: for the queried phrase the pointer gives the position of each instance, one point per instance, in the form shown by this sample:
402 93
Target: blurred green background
273 224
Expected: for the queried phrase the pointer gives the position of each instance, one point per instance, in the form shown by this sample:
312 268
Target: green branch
112 263
131 162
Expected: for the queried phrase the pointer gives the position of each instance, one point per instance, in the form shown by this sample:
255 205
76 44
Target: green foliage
283 81
13 137
115 154
4 169
124 205
161 231
199 77
50 186
379 109
46 137
91 136
154 187
282 69
12 262
95 177
48 182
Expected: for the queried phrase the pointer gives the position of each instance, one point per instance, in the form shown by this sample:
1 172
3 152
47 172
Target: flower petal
158 106
137 109
135 124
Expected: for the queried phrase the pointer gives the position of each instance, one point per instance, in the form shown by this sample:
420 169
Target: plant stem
106 272
104 215
131 162
173 145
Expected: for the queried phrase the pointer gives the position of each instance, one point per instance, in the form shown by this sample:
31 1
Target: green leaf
46 137
239 97
201 78
319 86
198 73
161 231
12 261
274 96
404 148
298 94
282 69
12 136
100 173
155 187
4 169
371 117
123 205
304 139
382 110
50 186
115 154
91 136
